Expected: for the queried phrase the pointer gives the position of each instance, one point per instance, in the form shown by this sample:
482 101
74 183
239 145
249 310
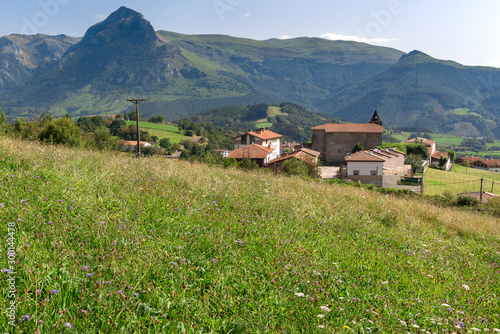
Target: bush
467 201
230 162
296 167
248 164
61 131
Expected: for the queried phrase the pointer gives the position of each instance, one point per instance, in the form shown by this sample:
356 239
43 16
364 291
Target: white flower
385 282
325 308
445 305
475 329
424 245
496 330
321 326
402 323
321 315
299 294
466 287
430 276
416 326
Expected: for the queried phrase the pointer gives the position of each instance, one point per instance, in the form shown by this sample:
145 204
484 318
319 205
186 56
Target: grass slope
460 180
161 130
108 243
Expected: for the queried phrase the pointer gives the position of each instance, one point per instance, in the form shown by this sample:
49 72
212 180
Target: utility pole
481 193
136 102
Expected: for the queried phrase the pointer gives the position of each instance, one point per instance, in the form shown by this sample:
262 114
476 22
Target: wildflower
346 327
475 329
385 282
84 312
119 292
445 305
54 292
299 294
1 205
321 316
466 287
68 325
85 267
136 294
321 326
403 323
416 326
8 271
50 222
325 308
90 275
496 330
180 247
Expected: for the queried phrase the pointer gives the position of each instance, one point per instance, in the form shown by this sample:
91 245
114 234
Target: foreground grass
112 244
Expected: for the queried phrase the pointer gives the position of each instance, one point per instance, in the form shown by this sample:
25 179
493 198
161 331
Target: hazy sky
462 30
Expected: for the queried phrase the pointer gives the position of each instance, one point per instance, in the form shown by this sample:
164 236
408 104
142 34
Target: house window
355 172
373 172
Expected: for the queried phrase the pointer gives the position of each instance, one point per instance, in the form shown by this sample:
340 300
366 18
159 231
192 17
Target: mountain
181 75
419 90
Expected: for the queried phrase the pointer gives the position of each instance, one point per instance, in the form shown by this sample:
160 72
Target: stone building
334 141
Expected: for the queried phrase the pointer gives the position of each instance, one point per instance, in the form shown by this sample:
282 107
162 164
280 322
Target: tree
103 139
230 162
61 131
296 167
465 162
4 127
415 161
452 154
359 147
248 164
19 125
165 143
443 160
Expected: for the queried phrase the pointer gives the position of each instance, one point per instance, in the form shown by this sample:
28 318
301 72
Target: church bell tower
376 119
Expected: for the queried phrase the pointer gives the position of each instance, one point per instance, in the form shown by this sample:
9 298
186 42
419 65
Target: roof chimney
394 148
348 156
371 151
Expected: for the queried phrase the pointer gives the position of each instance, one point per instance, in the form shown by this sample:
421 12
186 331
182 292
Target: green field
161 130
175 247
460 180
465 111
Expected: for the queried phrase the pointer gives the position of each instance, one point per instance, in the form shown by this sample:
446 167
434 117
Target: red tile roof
133 143
264 134
437 155
363 156
252 151
304 154
350 127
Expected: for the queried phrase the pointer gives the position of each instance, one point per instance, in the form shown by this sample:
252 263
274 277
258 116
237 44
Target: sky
465 31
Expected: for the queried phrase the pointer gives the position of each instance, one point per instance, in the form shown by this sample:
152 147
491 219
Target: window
373 172
355 172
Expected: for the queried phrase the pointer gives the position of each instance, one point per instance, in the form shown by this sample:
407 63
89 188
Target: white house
262 137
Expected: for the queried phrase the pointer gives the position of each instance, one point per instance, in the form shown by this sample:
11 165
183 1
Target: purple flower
84 312
54 292
174 264
180 247
11 175
50 222
2 205
8 271
119 292
85 267
26 317
136 294
68 325
90 275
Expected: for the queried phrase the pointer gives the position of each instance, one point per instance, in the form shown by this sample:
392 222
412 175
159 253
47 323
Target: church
334 141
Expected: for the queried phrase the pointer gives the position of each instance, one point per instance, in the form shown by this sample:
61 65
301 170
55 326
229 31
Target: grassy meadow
107 243
460 180
161 130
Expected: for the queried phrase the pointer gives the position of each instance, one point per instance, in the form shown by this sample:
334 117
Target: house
308 156
131 144
224 153
471 160
492 165
333 140
261 155
381 167
290 146
262 137
435 159
429 144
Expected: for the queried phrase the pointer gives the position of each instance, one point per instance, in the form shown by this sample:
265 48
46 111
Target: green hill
161 131
107 242
288 119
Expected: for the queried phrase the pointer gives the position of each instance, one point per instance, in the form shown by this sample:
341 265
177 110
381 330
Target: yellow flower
346 327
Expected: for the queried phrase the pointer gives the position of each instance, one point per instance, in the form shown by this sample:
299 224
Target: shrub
61 131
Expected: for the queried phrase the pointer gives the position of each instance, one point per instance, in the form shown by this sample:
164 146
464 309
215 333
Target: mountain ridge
182 74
